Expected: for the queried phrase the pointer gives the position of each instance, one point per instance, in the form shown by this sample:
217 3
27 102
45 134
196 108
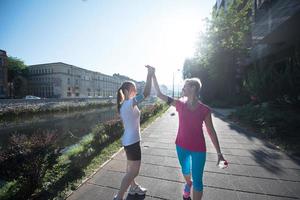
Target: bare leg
189 183
133 183
133 168
197 195
188 179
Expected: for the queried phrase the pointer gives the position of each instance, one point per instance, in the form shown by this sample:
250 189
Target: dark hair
120 96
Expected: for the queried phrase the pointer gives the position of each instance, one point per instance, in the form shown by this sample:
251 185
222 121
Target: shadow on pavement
267 159
135 197
249 134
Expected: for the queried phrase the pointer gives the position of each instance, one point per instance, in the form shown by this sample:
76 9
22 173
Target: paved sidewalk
257 170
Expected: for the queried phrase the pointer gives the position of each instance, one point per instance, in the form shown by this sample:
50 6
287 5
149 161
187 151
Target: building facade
276 30
3 75
140 85
61 80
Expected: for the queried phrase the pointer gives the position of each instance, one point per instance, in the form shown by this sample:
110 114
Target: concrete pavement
257 170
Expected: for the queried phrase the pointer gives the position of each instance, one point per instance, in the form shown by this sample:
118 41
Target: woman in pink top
190 143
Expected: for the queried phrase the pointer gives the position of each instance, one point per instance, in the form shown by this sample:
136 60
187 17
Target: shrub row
277 123
36 168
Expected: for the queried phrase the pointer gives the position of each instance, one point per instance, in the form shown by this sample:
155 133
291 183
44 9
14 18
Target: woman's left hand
222 160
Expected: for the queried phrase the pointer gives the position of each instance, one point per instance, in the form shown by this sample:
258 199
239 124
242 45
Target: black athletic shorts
133 151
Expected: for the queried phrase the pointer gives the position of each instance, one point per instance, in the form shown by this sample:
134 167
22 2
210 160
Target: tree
17 77
222 47
16 67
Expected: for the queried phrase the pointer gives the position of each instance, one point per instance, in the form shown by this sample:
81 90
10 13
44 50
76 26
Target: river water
70 126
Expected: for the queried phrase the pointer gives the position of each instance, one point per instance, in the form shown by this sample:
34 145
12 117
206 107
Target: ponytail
120 96
120 99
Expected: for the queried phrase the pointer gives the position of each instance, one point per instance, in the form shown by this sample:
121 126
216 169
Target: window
69 80
44 91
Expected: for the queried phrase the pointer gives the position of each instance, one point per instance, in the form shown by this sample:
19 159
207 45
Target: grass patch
90 169
102 157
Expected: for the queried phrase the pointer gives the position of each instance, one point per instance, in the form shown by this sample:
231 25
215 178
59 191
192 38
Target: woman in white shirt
127 102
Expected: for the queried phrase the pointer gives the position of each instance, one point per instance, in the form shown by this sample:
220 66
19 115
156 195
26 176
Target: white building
61 80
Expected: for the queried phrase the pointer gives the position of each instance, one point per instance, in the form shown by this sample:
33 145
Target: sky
107 36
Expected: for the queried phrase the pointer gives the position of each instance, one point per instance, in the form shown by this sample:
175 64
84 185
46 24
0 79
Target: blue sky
111 36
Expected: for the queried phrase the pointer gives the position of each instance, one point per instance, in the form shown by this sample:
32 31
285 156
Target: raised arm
147 88
160 95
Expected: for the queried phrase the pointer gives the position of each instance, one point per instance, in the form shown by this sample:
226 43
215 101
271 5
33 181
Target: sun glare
178 41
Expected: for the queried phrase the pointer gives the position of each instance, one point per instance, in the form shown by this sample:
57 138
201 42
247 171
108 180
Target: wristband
170 100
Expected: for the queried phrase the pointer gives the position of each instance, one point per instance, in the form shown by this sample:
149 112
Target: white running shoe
115 198
137 190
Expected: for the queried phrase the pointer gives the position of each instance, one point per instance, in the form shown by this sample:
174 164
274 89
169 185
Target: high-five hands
151 70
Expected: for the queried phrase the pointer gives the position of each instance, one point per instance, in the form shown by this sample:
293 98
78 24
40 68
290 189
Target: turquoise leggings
198 162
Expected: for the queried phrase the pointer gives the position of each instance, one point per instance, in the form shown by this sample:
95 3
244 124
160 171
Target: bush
150 111
276 122
37 166
26 160
275 82
9 190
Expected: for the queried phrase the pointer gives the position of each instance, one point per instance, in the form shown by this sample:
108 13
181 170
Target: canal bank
14 108
70 126
76 163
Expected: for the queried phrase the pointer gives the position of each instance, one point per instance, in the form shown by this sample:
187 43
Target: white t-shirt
131 120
